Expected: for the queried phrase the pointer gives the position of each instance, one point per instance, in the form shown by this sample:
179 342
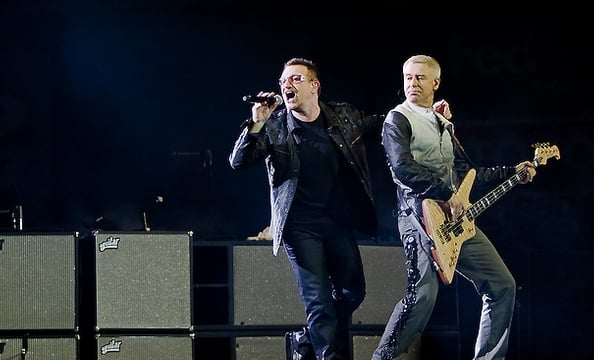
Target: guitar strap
458 147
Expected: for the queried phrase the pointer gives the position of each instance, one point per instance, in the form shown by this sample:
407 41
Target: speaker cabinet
265 291
38 278
135 347
143 280
385 275
39 348
264 287
260 347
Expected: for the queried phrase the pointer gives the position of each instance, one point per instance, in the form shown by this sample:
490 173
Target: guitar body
448 236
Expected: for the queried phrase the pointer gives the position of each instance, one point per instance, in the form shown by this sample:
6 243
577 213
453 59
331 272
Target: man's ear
436 83
316 86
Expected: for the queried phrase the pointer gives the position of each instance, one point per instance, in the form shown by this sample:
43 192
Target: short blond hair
425 59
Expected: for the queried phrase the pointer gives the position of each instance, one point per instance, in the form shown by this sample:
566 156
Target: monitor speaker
39 348
38 278
143 280
264 287
134 347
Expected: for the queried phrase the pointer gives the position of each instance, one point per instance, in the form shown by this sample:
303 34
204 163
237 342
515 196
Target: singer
320 194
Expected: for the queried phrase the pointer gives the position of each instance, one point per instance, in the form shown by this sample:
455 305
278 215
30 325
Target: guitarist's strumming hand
530 171
456 205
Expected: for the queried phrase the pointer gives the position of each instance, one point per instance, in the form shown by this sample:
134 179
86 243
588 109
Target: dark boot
298 345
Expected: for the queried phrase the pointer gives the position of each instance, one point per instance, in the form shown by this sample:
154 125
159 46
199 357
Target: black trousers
327 265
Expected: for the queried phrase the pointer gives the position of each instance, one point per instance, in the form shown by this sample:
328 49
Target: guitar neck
492 196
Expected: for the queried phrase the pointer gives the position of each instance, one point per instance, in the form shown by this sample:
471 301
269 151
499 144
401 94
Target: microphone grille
279 99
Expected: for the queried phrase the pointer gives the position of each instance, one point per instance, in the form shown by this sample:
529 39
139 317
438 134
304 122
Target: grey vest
431 144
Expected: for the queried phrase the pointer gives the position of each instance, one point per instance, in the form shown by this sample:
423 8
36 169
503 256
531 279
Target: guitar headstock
545 151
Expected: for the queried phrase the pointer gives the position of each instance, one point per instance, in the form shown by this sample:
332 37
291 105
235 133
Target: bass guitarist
427 162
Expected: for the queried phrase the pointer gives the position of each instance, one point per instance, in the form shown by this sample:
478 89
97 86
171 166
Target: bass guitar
448 236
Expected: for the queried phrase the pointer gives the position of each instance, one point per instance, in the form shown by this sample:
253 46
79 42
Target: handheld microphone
267 99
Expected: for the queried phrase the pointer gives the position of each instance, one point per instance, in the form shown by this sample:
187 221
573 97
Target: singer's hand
261 111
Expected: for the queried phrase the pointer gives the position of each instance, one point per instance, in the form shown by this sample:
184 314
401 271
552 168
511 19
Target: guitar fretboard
492 196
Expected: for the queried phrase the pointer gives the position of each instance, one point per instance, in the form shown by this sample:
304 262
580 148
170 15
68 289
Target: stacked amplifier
265 297
135 289
143 295
38 296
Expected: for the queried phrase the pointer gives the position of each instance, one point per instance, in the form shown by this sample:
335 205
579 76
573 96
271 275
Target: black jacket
276 144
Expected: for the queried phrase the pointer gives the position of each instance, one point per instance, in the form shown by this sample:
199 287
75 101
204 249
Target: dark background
105 105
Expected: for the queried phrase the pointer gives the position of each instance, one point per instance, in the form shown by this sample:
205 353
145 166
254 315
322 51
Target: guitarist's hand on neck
530 169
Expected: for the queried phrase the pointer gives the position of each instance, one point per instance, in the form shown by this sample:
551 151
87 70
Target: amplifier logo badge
110 243
113 346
